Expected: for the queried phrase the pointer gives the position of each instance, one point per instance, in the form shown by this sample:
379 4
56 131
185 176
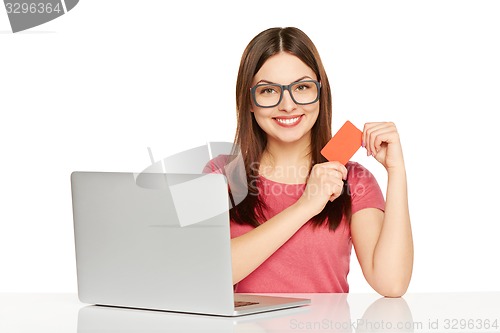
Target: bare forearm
253 248
393 254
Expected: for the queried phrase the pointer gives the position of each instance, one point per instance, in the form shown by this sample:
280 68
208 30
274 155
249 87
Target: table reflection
387 315
327 312
415 312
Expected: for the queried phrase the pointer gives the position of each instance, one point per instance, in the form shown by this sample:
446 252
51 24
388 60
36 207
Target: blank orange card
344 144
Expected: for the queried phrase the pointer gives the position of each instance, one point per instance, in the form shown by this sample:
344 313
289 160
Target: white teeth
288 121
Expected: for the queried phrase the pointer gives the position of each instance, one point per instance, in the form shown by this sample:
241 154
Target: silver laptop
158 241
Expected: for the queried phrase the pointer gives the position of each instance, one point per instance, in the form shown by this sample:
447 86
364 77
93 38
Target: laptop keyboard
238 304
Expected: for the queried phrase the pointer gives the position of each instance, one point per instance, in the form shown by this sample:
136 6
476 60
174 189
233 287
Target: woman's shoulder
355 171
217 164
358 176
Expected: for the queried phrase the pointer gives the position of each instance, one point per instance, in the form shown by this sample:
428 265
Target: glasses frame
283 88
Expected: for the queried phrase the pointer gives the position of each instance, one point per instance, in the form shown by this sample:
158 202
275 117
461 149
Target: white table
432 312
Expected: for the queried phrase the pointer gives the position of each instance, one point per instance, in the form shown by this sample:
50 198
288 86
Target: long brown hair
252 140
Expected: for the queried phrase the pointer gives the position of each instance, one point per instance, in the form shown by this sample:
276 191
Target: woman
295 229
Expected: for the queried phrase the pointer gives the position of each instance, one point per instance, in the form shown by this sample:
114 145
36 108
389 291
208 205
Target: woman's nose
287 104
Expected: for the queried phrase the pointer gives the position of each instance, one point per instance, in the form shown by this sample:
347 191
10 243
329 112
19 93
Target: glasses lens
305 92
267 94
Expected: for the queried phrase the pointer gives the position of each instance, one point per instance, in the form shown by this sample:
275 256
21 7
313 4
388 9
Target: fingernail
363 144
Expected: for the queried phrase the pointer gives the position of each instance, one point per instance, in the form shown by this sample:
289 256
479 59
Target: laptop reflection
101 319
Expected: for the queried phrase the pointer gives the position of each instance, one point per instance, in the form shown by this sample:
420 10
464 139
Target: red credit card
344 144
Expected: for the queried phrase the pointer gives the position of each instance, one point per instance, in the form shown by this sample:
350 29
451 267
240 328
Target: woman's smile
288 121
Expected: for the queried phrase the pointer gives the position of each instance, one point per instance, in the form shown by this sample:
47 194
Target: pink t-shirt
314 259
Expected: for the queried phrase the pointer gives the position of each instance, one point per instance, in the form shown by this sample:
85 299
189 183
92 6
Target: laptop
159 241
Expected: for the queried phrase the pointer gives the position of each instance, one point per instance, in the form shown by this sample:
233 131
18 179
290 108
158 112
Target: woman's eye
268 91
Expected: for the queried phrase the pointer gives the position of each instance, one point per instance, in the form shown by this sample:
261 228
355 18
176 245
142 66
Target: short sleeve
364 189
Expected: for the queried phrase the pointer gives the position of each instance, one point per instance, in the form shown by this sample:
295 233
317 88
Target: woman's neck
286 162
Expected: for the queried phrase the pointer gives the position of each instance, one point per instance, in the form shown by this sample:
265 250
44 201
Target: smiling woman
294 231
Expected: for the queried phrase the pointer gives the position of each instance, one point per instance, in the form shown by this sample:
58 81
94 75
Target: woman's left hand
381 140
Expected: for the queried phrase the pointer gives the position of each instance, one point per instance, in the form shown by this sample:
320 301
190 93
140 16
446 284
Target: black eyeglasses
268 95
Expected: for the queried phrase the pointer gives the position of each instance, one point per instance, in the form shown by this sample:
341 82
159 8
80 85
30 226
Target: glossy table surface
426 312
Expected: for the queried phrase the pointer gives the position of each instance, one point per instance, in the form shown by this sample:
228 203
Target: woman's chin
289 139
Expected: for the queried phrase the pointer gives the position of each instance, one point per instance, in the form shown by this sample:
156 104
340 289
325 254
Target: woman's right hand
325 183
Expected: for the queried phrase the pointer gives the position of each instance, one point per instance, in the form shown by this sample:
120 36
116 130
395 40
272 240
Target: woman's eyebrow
271 82
265 81
302 78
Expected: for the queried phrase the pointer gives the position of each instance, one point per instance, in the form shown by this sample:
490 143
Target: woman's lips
288 121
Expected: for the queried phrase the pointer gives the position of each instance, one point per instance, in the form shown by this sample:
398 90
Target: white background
94 88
